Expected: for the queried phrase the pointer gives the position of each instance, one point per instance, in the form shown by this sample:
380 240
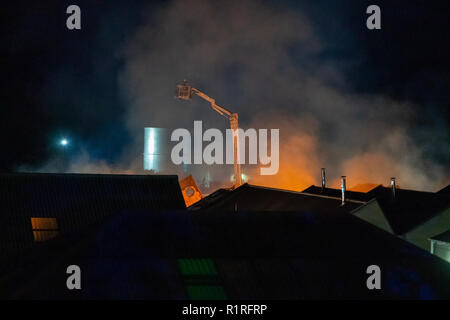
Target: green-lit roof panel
197 267
205 292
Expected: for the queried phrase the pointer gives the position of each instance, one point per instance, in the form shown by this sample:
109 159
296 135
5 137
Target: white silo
156 154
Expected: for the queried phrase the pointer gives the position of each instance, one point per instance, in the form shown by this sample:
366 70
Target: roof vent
323 179
393 187
343 187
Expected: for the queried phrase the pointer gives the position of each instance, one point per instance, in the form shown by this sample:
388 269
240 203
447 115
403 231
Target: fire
364 187
297 166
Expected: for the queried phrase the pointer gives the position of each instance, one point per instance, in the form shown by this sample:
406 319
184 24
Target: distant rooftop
255 198
409 209
445 190
351 195
364 187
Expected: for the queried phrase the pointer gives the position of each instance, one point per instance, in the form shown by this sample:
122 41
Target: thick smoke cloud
264 61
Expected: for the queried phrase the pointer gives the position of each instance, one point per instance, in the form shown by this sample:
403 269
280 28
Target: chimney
393 187
323 179
343 187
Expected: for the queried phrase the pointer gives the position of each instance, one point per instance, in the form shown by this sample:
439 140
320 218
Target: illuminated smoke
263 61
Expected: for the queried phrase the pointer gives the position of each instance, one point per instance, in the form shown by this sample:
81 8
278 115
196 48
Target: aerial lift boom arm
224 112
185 91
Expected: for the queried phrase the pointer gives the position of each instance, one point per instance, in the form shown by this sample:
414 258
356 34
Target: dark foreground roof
226 255
77 200
255 198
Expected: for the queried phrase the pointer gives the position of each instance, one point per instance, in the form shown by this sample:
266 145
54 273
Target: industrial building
38 206
255 198
133 238
440 245
415 216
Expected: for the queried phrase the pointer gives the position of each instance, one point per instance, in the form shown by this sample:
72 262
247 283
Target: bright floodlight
64 142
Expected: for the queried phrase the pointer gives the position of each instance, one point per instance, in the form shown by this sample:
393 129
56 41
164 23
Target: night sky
76 84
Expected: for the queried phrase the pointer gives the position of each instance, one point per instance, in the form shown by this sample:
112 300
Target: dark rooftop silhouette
407 210
445 190
77 200
444 236
233 255
248 243
255 198
351 195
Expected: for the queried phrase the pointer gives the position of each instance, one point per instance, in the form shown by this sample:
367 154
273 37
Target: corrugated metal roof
77 200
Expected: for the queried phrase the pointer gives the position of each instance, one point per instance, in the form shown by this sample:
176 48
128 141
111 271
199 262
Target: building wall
441 249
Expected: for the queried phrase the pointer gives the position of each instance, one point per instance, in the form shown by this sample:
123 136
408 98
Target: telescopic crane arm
184 91
224 112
